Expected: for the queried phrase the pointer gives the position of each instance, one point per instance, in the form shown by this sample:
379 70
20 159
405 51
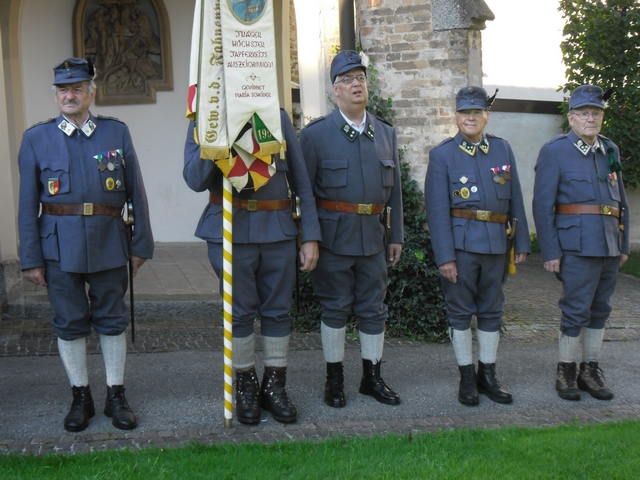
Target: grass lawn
594 451
632 266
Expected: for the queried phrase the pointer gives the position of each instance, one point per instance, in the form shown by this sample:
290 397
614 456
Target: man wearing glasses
352 159
472 196
580 210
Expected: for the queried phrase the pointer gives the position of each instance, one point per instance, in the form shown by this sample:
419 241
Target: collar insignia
370 131
67 127
584 147
349 132
88 128
484 145
470 148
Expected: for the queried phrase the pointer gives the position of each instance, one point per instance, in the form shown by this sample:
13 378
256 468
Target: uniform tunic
60 165
264 250
477 247
570 172
358 168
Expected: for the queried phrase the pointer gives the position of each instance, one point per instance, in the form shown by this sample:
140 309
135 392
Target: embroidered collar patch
349 131
470 148
370 131
69 128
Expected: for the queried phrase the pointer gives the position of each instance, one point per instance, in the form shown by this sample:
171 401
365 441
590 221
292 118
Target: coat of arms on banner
247 11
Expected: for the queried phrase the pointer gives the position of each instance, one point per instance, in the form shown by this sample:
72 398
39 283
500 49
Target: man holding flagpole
239 135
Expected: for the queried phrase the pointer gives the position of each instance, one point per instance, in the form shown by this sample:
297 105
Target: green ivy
602 47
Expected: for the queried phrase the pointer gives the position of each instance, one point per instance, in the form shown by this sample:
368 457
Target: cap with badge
473 98
73 70
587 96
345 61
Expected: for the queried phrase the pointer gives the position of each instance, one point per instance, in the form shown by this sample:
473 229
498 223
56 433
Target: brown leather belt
87 209
253 205
481 215
359 208
588 209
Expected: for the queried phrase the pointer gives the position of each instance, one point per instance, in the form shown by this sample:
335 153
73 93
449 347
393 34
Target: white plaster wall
526 133
158 130
8 232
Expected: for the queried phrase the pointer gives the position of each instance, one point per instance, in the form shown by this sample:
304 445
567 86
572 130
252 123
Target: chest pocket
334 173
112 174
54 175
578 187
614 190
503 192
388 168
463 188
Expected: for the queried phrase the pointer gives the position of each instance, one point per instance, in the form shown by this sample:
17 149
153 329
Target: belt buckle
605 210
88 209
483 215
365 208
252 205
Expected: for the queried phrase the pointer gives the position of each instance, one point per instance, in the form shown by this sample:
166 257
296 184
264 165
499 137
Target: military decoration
474 189
118 183
464 193
54 186
455 193
613 177
111 160
463 179
110 183
501 174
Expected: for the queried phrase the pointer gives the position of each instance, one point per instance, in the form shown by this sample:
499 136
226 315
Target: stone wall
421 70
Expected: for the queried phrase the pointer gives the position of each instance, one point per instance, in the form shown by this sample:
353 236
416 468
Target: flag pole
227 289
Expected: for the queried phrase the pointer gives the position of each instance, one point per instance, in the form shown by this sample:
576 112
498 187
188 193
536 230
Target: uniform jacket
451 169
261 226
566 175
349 167
61 169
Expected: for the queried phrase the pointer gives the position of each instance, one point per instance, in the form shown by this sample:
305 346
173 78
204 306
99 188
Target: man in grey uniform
352 158
81 169
581 211
472 191
264 263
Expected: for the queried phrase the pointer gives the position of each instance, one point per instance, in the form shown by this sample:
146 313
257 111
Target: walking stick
129 222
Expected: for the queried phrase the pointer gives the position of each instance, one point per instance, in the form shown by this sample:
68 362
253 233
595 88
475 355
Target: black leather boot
591 379
334 387
273 396
489 384
468 391
247 396
372 384
82 409
566 381
117 408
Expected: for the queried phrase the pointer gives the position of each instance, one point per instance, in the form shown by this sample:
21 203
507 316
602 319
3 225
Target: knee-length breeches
348 284
264 278
478 291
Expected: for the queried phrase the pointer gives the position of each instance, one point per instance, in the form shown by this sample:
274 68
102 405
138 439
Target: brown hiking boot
591 379
566 381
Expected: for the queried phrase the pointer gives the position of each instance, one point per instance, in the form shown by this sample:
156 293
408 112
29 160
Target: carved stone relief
130 46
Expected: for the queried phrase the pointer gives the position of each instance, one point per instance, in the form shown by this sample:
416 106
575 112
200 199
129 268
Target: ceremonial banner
206 102
233 93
